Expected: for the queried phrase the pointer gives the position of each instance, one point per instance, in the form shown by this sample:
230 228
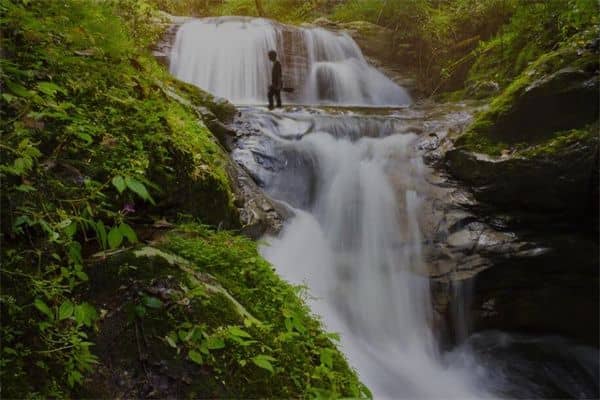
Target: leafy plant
87 138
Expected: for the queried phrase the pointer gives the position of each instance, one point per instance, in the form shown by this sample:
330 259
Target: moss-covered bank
200 314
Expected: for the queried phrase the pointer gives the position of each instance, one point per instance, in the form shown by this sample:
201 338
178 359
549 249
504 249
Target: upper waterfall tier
228 57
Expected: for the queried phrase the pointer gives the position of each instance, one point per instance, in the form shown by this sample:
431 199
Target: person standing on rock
276 81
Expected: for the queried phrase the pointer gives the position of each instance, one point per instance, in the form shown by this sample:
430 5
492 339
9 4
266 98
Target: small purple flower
79 179
128 208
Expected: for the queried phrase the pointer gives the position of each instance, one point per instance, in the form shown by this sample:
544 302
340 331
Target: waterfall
228 57
356 244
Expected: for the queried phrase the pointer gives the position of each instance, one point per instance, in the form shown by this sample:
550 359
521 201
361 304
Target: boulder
549 292
565 99
259 215
560 182
558 91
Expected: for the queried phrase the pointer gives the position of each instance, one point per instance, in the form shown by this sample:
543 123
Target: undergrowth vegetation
95 143
535 29
277 335
555 74
202 306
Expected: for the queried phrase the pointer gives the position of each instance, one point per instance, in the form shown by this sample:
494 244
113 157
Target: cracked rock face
259 215
508 268
494 269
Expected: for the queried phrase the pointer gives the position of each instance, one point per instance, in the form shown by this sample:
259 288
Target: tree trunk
259 8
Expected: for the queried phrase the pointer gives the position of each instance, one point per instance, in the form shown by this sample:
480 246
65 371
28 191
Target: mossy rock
535 148
559 91
195 179
221 108
558 175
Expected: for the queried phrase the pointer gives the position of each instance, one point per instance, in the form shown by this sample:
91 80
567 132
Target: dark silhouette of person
276 81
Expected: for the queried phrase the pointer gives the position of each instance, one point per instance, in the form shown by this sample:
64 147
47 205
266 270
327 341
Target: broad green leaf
264 362
235 331
86 137
74 253
115 237
101 231
41 306
138 188
119 183
215 343
326 358
26 188
17 88
204 347
65 310
195 357
171 342
82 275
332 336
140 310
127 232
71 229
20 165
49 88
74 377
152 302
85 314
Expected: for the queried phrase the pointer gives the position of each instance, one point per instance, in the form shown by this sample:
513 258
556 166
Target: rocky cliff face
531 156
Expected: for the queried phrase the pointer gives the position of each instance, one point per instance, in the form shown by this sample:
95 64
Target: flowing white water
228 57
358 249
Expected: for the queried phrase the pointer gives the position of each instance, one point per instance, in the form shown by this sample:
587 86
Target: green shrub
536 27
87 133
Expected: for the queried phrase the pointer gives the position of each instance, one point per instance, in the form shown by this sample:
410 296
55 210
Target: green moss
488 131
535 29
562 140
223 110
222 308
287 327
454 96
478 143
